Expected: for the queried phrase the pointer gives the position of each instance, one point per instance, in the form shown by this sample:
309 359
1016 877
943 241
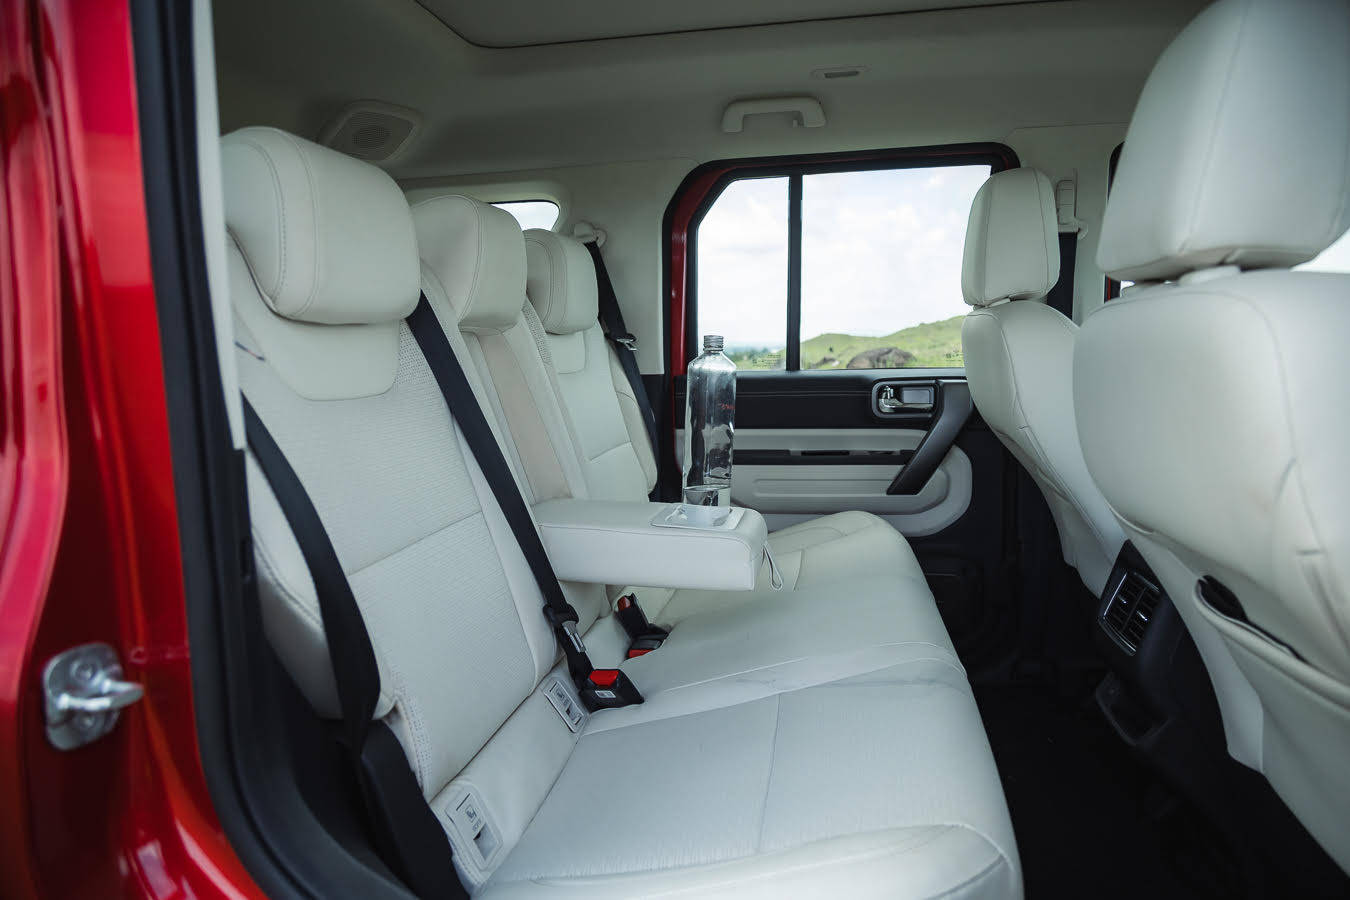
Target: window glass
532 213
881 267
1335 258
742 272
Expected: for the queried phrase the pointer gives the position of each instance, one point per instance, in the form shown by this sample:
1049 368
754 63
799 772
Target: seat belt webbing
611 317
407 833
613 688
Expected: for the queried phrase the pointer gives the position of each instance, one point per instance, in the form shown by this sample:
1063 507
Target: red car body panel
89 544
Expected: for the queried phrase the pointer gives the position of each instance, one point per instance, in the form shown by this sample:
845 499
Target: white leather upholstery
1237 152
741 709
1211 410
613 542
561 282
1012 240
1019 361
476 252
327 238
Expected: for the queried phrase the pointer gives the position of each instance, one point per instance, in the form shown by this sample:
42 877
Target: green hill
930 345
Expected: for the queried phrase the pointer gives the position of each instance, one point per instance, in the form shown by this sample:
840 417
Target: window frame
703 186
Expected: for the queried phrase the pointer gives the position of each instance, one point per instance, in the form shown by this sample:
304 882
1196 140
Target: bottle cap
712 343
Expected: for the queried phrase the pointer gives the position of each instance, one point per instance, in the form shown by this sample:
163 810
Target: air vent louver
1130 610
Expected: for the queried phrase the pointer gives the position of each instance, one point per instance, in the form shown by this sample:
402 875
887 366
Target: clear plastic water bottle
709 415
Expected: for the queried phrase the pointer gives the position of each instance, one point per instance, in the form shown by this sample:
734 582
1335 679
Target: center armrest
615 542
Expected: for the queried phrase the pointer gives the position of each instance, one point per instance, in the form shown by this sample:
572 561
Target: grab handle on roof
807 111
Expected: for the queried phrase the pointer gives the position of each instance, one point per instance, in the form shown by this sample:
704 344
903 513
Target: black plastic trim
954 409
822 457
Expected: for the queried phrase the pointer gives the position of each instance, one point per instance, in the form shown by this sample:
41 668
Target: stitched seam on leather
982 874
781 664
548 252
281 226
1050 277
1188 234
314 198
768 780
296 603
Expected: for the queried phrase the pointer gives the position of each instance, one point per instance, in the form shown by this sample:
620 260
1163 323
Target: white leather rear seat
474 273
850 775
616 458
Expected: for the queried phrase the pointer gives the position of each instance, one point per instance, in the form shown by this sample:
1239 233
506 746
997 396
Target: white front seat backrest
1212 403
1019 360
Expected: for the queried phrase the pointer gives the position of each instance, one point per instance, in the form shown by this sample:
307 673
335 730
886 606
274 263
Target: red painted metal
128 815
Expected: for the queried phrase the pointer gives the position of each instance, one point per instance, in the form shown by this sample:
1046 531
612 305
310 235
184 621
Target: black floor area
1090 821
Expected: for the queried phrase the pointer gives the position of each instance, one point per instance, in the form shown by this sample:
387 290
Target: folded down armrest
614 542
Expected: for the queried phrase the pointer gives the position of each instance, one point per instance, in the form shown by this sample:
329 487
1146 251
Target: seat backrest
606 425
323 267
1019 360
1212 403
474 269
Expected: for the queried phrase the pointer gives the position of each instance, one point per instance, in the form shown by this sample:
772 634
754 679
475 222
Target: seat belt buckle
643 636
608 689
627 341
642 646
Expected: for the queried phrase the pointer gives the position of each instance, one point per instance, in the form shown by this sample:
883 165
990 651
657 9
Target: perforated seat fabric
1211 403
617 460
1019 361
854 768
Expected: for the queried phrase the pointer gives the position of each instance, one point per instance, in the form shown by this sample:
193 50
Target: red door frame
89 546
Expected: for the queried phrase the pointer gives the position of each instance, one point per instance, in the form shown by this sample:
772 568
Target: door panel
814 443
791 475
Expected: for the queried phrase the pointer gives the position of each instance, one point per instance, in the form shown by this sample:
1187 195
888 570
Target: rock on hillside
881 358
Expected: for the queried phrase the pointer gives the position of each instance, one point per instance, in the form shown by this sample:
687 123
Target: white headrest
477 253
1239 149
561 282
327 238
1012 239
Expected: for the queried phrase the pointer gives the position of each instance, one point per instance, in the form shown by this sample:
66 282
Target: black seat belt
407 834
625 345
598 688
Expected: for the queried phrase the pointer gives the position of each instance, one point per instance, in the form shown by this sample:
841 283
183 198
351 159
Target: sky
881 251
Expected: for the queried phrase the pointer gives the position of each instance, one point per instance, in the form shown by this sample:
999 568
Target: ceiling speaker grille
371 131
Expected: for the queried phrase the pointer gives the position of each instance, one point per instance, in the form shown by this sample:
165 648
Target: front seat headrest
1239 150
1012 239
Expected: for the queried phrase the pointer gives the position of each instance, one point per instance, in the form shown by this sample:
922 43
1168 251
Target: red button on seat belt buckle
604 678
639 651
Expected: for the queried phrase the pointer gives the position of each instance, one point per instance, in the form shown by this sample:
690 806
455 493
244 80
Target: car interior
1032 576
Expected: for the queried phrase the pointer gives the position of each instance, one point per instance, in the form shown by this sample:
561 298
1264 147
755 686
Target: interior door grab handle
954 408
919 399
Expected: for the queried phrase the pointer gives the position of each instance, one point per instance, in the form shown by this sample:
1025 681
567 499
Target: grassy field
932 344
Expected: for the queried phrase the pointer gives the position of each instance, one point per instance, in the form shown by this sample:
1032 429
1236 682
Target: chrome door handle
888 403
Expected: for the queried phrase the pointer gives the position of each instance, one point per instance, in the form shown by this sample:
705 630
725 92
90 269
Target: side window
845 269
532 213
1335 258
742 246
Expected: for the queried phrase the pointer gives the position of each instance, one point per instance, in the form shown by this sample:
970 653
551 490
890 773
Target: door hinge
84 694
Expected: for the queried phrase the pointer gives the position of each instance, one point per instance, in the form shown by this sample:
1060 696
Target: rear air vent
371 130
1130 609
